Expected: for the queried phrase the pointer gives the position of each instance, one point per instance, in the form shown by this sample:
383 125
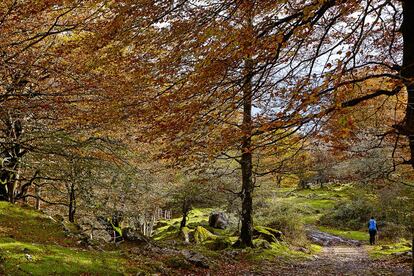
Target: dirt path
339 257
340 260
344 260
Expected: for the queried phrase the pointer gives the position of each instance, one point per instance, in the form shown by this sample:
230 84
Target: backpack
372 224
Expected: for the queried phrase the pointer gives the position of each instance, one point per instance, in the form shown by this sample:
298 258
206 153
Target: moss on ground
201 235
385 250
170 228
22 258
277 251
315 248
35 244
267 233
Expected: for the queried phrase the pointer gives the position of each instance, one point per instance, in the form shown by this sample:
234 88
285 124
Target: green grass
54 259
28 225
277 251
171 229
349 234
50 252
386 250
315 248
309 203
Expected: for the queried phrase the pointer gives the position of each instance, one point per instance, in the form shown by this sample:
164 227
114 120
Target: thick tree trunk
246 232
407 72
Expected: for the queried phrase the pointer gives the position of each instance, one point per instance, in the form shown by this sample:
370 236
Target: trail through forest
349 260
343 258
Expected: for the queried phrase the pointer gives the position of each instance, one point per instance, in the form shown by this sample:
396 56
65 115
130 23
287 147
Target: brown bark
185 209
246 232
407 72
10 159
72 203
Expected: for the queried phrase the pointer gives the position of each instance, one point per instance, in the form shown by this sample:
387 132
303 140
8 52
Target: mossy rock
201 234
260 243
194 225
267 233
220 243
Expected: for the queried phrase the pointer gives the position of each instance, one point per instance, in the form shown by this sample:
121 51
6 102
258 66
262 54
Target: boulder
101 235
218 220
196 258
133 235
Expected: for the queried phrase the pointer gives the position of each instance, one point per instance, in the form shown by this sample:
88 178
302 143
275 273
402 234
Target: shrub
283 216
351 214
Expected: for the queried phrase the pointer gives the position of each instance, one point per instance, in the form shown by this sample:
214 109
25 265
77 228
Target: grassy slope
314 203
32 242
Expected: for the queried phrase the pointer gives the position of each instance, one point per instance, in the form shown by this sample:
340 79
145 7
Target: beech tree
241 77
36 89
245 75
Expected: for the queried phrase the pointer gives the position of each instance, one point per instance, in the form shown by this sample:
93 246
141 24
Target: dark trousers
372 234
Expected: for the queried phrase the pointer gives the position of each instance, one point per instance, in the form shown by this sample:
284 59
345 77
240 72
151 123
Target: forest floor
31 243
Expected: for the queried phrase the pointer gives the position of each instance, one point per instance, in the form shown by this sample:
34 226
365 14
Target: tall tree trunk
407 72
246 232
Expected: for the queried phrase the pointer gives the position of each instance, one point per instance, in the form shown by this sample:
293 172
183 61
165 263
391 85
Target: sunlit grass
349 234
384 250
20 258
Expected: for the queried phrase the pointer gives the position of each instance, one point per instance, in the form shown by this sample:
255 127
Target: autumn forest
206 137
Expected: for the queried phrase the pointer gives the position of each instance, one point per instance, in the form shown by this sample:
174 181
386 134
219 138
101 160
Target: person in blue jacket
372 229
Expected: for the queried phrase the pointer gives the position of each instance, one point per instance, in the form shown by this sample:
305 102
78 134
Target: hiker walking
372 229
